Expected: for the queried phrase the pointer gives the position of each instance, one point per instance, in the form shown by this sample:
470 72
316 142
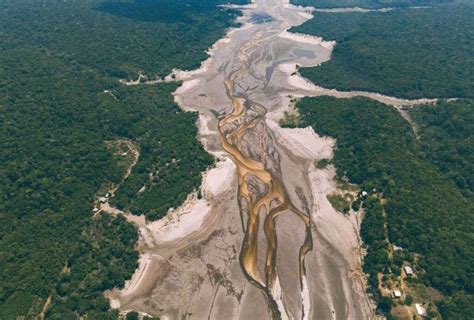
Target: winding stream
267 244
273 202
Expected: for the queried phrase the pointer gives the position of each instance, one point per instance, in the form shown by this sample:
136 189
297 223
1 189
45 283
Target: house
396 294
408 270
420 310
102 199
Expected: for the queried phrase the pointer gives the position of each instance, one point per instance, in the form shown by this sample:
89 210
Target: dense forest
60 105
369 4
409 53
123 37
428 201
171 161
446 134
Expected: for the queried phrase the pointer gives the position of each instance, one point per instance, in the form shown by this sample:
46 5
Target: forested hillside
409 53
60 105
422 186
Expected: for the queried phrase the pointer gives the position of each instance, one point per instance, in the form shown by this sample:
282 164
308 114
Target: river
268 244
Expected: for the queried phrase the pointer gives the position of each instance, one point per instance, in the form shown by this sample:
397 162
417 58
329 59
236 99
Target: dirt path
45 308
102 203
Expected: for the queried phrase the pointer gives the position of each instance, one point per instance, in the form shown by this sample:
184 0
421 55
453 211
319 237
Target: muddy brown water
267 249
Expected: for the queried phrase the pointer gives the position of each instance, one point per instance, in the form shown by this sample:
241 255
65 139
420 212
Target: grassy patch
289 120
339 203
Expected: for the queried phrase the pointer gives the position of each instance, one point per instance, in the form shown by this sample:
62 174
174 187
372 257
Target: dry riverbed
263 242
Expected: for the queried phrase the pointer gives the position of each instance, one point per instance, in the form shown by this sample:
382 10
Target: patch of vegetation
399 53
339 203
61 60
322 164
290 120
426 212
132 316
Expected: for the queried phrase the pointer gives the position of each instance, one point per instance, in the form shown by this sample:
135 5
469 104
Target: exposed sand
303 142
220 178
144 79
186 86
338 230
190 264
305 38
307 88
304 12
186 75
354 9
322 184
179 223
143 268
148 267
190 216
241 7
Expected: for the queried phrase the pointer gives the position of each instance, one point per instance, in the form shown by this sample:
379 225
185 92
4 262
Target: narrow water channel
270 246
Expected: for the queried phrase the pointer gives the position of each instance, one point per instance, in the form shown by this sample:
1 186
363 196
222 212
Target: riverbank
205 262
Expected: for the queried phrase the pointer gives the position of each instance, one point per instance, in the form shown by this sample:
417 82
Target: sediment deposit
263 242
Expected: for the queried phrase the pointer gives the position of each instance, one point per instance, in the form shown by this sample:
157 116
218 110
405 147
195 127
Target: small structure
420 310
408 270
95 210
102 199
396 294
364 193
